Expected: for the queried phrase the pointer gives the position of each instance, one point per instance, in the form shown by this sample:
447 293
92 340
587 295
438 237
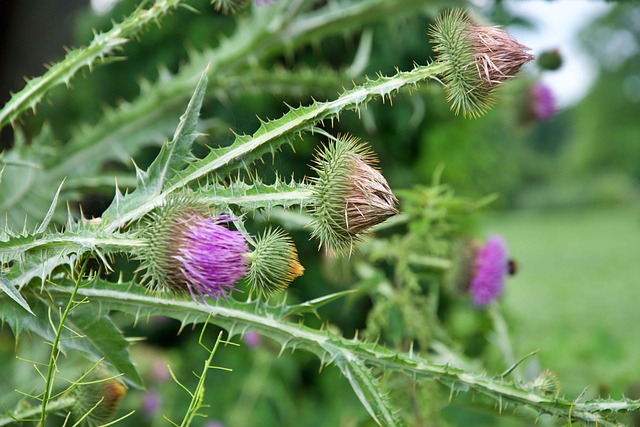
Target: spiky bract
479 59
191 251
228 6
274 263
350 195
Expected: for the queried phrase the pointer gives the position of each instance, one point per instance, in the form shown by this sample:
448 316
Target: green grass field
576 296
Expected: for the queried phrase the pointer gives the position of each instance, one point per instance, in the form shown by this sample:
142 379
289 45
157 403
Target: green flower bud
97 400
273 263
547 382
351 195
479 59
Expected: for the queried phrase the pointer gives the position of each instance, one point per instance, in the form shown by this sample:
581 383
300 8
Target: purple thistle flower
491 269
252 339
151 403
261 2
211 257
542 102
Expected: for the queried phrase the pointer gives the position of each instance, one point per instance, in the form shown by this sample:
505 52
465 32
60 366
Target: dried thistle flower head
351 195
274 263
478 59
191 251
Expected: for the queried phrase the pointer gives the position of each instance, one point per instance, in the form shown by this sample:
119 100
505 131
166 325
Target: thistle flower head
490 269
542 103
478 60
274 263
351 195
97 399
191 251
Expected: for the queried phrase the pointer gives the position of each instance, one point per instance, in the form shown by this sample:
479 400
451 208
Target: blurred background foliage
568 193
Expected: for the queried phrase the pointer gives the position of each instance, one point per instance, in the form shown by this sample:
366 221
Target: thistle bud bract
547 382
274 263
97 400
192 251
350 195
478 60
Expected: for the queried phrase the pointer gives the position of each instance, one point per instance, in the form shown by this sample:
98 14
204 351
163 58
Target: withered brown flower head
476 60
350 194
498 56
370 200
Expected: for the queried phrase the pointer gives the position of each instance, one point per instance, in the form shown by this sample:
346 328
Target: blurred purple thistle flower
261 2
151 403
491 269
542 102
211 257
252 339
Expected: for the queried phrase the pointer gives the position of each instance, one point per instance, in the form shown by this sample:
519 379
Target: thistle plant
220 238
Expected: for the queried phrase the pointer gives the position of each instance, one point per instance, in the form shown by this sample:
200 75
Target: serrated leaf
172 157
84 57
329 347
312 305
105 339
47 219
7 287
39 255
368 390
87 330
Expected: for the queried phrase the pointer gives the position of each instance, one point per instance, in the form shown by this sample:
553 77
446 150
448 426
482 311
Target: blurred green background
568 202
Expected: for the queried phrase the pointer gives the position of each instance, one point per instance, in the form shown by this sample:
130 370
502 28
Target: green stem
300 196
430 261
55 350
27 414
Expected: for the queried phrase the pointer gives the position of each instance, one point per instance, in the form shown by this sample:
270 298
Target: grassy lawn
576 296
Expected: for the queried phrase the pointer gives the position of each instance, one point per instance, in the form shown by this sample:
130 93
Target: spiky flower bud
547 382
191 251
273 264
478 60
97 400
351 195
550 60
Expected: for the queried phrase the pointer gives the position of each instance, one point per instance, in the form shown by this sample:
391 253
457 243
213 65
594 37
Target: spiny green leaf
7 287
368 389
172 157
104 339
102 45
239 317
268 138
87 330
39 255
